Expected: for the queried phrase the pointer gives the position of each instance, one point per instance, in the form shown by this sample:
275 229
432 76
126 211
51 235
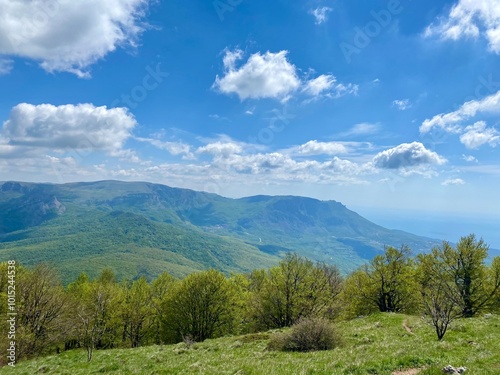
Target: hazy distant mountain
145 228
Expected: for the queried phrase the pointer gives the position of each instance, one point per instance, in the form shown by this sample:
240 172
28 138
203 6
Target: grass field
378 344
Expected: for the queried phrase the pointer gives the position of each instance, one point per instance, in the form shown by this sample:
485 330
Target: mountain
140 228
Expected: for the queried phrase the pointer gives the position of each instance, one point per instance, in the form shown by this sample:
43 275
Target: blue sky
380 105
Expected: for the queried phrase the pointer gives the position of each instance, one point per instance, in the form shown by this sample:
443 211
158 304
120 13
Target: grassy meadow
382 343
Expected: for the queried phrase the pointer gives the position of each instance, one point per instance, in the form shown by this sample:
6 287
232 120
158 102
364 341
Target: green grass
377 344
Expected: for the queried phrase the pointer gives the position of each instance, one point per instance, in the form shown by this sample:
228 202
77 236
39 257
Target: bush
307 335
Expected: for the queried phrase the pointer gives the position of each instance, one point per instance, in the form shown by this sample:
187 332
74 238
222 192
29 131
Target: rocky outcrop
452 370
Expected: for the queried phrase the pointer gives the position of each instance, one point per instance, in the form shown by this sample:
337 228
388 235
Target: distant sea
443 226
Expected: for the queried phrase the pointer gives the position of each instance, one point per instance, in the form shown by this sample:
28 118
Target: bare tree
439 295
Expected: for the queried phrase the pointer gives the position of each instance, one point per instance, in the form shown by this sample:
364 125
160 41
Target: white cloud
450 121
271 75
5 66
250 112
364 128
471 18
469 158
479 134
326 84
320 14
453 181
69 127
267 75
319 84
322 148
220 149
66 35
346 167
402 104
407 155
173 148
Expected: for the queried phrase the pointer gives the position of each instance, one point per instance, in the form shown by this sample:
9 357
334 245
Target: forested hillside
138 228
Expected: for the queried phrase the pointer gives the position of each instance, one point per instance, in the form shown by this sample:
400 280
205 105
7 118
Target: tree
200 306
439 297
95 310
495 276
137 312
294 289
161 288
41 304
386 284
476 285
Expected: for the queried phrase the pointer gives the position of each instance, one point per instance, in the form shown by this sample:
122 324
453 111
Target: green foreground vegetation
377 344
397 312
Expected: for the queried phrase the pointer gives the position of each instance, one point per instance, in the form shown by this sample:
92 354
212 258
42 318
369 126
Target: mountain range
140 228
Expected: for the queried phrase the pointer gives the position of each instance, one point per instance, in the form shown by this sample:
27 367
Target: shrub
307 335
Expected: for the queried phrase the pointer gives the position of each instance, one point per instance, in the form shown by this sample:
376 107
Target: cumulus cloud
267 75
479 134
68 127
5 66
320 14
320 84
407 155
450 122
470 19
453 181
66 35
345 167
271 75
402 104
322 148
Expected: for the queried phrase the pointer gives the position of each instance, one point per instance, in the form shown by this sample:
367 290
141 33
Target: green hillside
378 344
89 239
140 228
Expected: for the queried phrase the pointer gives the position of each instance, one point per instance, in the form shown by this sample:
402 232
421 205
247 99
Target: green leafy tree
495 277
41 303
294 289
137 312
161 288
200 306
475 284
386 284
96 311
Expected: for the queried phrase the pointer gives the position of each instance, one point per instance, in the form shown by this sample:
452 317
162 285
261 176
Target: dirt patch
407 329
412 371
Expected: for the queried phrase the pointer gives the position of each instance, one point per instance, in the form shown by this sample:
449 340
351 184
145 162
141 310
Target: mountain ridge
46 222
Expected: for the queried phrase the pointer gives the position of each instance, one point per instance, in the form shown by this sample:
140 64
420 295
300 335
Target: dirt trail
412 371
408 329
